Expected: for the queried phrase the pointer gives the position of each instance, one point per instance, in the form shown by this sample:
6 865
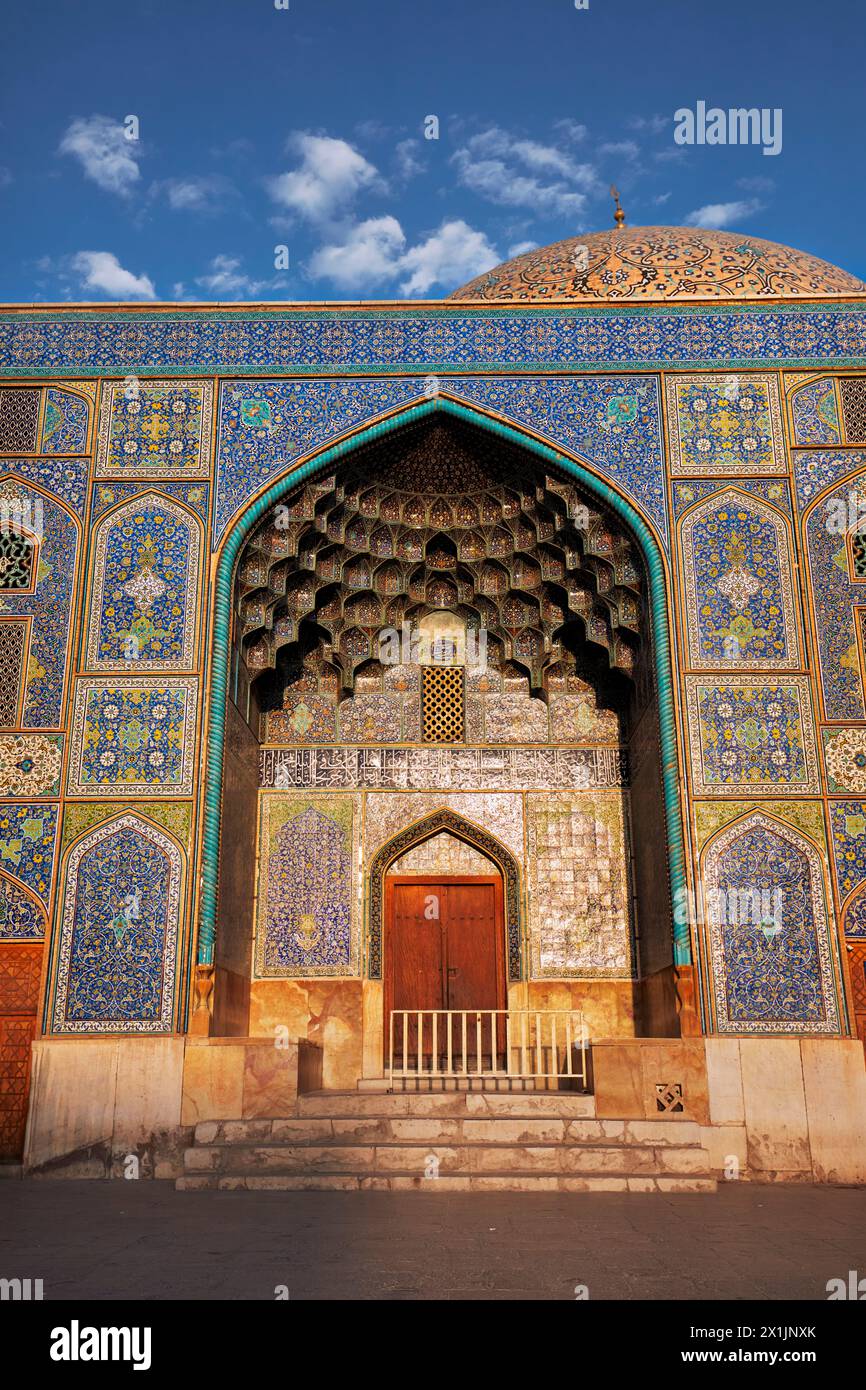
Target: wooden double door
444 949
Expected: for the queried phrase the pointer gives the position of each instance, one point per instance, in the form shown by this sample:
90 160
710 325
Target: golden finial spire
619 215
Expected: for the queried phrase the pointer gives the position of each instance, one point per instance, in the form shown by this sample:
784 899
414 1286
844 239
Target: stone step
464 1128
473 1182
422 1103
459 1160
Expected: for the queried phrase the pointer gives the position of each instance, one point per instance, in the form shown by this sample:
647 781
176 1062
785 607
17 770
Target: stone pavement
144 1240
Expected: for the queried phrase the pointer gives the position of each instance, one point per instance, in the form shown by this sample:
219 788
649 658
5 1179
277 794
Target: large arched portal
441 623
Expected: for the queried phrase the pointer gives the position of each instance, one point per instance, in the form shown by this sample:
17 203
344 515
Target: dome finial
619 215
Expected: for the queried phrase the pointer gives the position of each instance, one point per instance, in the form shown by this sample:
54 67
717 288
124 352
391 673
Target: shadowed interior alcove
549 712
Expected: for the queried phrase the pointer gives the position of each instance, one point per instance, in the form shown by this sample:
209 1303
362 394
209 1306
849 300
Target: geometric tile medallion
770 942
724 424
30 764
133 737
845 759
146 559
738 592
748 734
152 429
308 878
117 939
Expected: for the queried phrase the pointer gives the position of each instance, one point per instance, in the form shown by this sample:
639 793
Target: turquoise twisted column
222 621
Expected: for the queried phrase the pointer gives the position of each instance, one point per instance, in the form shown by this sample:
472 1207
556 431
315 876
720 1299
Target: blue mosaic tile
835 597
306 902
773 970
130 736
814 413
145 589
27 835
64 427
816 469
738 590
751 733
50 605
118 932
613 422
179 343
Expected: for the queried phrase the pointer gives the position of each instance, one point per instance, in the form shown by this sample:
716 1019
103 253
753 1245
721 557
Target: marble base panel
608 1006
325 1012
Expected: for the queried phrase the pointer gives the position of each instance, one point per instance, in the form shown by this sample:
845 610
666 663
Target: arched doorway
440 890
443 521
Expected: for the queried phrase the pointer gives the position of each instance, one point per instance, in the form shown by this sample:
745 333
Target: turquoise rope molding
220 654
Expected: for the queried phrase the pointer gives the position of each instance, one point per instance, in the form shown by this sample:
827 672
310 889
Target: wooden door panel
470 936
444 949
416 960
416 949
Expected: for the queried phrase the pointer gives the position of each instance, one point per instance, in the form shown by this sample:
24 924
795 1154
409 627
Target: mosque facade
503 654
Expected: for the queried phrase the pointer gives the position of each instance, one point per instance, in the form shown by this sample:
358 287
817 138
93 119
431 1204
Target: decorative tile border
423 769
451 338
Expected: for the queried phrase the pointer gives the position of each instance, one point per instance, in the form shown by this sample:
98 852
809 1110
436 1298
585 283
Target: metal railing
525 1044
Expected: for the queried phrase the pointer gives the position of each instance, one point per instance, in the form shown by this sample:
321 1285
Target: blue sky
304 127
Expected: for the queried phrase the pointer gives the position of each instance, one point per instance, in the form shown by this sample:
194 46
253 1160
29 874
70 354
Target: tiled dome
657 265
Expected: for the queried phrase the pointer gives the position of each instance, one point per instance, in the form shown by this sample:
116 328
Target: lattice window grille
17 561
858 555
669 1097
19 420
442 704
853 390
13 645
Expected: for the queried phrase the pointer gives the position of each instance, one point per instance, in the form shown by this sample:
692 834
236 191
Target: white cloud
718 215
627 148
521 248
374 252
660 198
408 163
369 254
524 173
653 124
104 153
330 175
226 280
572 130
198 193
101 270
757 184
450 257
